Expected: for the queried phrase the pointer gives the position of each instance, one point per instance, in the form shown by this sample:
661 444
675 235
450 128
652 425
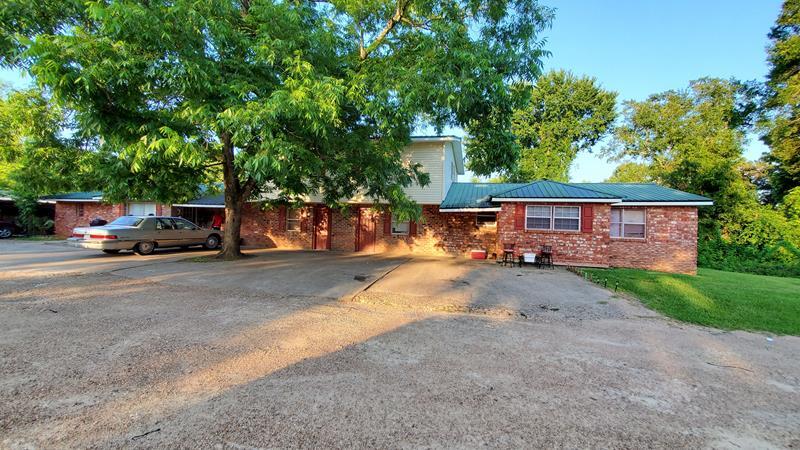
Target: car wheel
6 232
212 242
111 252
145 248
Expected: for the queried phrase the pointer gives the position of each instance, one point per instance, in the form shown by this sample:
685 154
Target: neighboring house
587 224
79 208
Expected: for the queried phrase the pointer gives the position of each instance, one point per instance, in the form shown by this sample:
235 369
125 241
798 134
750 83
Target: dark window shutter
387 223
519 216
412 228
282 218
587 217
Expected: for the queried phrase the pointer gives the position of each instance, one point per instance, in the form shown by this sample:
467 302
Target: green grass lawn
728 300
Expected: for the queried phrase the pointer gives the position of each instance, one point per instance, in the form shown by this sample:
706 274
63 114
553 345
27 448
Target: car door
166 235
190 234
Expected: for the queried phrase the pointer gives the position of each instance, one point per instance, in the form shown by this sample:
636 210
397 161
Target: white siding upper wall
449 173
436 159
432 157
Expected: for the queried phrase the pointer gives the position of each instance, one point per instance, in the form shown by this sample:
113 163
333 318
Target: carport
201 210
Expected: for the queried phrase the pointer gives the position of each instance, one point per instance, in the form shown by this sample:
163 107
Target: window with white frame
538 217
141 209
627 223
486 219
293 220
399 227
567 218
559 218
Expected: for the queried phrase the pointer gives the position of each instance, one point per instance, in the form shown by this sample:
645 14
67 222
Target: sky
642 47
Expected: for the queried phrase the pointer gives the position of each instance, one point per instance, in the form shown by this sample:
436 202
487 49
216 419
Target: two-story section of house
363 228
638 225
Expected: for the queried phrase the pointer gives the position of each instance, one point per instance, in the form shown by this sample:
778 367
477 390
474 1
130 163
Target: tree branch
399 14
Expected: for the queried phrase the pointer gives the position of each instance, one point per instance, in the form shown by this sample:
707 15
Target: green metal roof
207 200
480 195
643 192
551 189
474 195
94 195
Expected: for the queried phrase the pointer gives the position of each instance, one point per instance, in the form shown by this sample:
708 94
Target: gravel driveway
181 354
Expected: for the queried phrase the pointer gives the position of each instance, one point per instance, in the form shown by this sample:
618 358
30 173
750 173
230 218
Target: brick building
587 224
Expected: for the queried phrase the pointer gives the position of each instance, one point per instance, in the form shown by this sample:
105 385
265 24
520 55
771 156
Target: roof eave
460 210
198 205
70 200
665 203
556 200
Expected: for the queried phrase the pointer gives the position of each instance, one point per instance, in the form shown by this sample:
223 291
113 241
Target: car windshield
127 221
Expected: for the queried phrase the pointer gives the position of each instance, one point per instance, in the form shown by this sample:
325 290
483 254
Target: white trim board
701 203
186 205
69 200
458 210
557 200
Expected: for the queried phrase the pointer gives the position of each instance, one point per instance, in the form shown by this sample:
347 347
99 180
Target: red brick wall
343 229
261 227
437 233
670 243
440 234
569 247
67 215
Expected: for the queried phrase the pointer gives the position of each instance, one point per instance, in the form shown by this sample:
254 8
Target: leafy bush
779 259
29 218
757 239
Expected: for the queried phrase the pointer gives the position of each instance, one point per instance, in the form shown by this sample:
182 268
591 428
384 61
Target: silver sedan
143 234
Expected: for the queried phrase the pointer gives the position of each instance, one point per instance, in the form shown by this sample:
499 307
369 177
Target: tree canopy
783 128
565 115
690 140
287 98
38 154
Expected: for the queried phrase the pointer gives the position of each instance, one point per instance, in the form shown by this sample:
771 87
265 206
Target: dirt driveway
294 349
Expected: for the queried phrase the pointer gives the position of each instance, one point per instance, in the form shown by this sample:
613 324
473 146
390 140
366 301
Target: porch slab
453 284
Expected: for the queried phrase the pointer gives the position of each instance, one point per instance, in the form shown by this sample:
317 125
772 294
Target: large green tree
288 98
691 140
565 115
39 153
783 127
631 172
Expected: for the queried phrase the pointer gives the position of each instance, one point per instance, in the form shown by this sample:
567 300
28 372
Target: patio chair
546 256
508 255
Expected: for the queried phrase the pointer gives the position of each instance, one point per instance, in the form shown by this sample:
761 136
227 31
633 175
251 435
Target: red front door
365 236
322 226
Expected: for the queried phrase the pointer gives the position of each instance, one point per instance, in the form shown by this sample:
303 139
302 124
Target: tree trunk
235 196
